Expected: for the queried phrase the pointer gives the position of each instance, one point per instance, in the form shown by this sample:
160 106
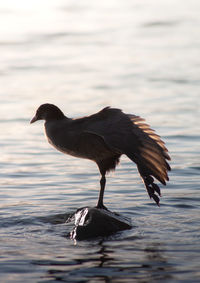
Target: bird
104 137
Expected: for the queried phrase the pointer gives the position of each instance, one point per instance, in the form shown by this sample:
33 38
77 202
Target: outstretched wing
129 134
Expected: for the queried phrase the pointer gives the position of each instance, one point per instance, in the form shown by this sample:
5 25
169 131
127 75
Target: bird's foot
101 206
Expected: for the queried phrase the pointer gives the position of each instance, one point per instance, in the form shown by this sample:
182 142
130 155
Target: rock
92 222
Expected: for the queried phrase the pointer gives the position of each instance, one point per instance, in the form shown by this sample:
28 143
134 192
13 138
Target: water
141 56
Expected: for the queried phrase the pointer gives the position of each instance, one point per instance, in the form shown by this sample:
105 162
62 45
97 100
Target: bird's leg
102 185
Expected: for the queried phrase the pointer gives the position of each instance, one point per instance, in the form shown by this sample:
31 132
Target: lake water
141 56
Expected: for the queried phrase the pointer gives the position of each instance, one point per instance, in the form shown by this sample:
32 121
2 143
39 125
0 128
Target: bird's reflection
100 262
104 254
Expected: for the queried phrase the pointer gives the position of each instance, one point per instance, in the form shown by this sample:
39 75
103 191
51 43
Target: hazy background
140 56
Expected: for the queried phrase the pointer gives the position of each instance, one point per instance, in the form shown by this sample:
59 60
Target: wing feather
152 154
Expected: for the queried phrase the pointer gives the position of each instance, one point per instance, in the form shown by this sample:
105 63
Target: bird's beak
34 119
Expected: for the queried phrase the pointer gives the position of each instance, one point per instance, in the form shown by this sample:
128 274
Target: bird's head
47 112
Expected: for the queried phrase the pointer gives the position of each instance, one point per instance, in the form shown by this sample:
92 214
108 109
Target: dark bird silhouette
103 137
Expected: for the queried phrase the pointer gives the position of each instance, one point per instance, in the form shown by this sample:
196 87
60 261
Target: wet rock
92 222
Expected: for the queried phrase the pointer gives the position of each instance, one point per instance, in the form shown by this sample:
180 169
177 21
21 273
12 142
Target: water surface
140 56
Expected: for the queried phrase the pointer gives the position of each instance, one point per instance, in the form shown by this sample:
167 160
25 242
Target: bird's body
103 137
